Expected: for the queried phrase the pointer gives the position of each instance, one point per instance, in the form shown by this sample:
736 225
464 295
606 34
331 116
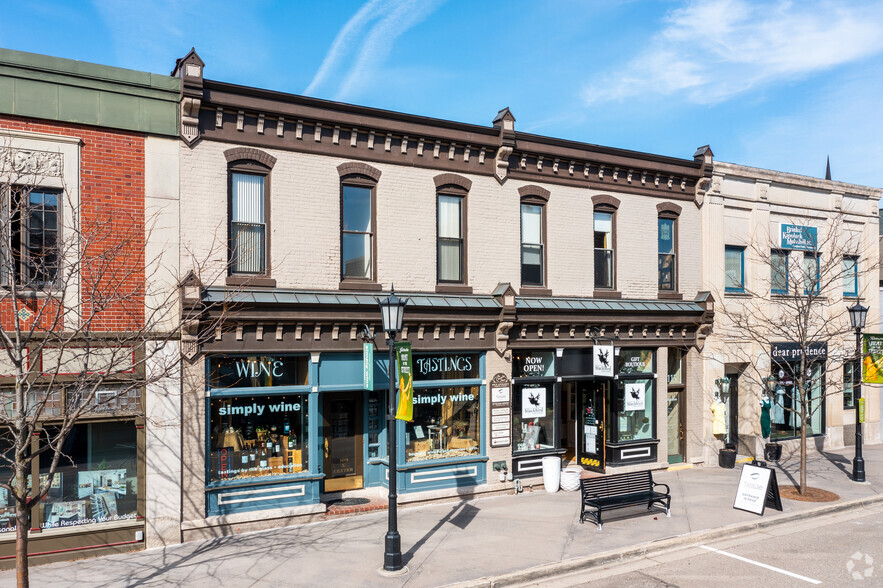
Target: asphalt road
840 550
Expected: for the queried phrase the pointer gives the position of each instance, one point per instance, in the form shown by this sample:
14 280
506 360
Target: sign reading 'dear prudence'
602 360
789 352
634 397
757 489
798 237
872 359
501 411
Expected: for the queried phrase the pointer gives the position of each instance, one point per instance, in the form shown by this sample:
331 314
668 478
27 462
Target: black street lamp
857 316
392 311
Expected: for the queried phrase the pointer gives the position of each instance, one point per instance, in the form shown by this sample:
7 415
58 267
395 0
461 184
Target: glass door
342 444
676 437
590 450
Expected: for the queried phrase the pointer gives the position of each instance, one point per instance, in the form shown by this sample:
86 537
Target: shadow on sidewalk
460 516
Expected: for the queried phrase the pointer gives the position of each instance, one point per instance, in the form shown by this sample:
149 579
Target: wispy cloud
713 50
385 22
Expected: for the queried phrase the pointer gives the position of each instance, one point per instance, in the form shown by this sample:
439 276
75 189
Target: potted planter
727 456
772 451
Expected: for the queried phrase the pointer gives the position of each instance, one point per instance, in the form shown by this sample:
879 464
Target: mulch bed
811 494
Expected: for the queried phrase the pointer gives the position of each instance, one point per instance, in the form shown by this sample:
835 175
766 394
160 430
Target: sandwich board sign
758 489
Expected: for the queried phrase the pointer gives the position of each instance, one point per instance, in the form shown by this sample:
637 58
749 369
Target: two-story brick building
554 287
88 158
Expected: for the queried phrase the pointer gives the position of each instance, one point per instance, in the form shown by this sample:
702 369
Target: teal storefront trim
343 372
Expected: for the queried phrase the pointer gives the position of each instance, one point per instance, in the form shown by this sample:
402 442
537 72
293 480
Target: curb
549 571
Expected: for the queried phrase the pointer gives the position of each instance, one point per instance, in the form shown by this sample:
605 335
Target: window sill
263 480
730 294
448 461
453 289
256 281
534 291
609 294
363 285
666 295
31 293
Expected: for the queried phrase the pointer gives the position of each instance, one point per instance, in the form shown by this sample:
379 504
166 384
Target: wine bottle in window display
269 445
252 459
277 449
286 426
262 463
244 467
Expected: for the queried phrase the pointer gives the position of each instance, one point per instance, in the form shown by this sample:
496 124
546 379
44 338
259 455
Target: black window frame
17 256
249 168
359 182
461 241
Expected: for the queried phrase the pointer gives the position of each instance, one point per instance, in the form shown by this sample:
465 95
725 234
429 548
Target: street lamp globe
723 385
858 314
392 312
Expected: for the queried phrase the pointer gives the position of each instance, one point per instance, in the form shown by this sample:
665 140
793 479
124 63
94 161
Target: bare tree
87 323
803 301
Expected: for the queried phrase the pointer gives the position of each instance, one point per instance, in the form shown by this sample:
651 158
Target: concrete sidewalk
467 541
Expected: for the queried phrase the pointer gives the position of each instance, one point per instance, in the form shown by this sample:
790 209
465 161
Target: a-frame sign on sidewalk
758 489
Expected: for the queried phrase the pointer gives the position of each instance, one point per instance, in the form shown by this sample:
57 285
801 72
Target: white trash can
551 473
570 479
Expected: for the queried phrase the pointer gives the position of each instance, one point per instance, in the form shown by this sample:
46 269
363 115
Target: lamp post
392 310
857 316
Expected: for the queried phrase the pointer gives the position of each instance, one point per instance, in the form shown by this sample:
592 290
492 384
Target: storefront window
447 423
533 421
257 436
786 408
635 361
631 411
97 479
533 364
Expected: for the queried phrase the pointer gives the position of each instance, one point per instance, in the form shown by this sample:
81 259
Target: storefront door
342 441
590 450
676 437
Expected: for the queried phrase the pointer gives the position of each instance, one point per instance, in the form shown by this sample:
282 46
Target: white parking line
762 565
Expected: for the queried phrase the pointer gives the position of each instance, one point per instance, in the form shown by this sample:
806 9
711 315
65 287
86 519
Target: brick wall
305 228
111 211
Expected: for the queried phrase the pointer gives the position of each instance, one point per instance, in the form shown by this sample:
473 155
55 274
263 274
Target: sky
779 85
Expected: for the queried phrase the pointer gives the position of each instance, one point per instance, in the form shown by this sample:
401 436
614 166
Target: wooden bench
619 490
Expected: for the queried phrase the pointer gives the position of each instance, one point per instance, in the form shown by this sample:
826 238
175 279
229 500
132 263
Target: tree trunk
802 488
22 527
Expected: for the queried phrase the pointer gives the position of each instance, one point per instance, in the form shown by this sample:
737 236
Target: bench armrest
667 489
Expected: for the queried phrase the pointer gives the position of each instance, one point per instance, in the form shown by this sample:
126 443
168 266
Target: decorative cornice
605 200
668 208
452 180
533 191
358 168
247 153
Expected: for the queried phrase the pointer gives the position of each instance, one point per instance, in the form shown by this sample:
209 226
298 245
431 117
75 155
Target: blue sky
777 85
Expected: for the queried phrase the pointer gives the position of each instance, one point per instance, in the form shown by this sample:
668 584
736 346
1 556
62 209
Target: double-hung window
811 276
451 252
532 249
850 275
667 256
357 238
31 255
778 271
604 262
248 226
734 269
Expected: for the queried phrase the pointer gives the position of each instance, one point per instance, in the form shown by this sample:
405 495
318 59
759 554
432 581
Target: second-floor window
357 237
667 256
248 227
850 275
604 262
532 251
734 269
31 223
778 271
451 252
811 277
